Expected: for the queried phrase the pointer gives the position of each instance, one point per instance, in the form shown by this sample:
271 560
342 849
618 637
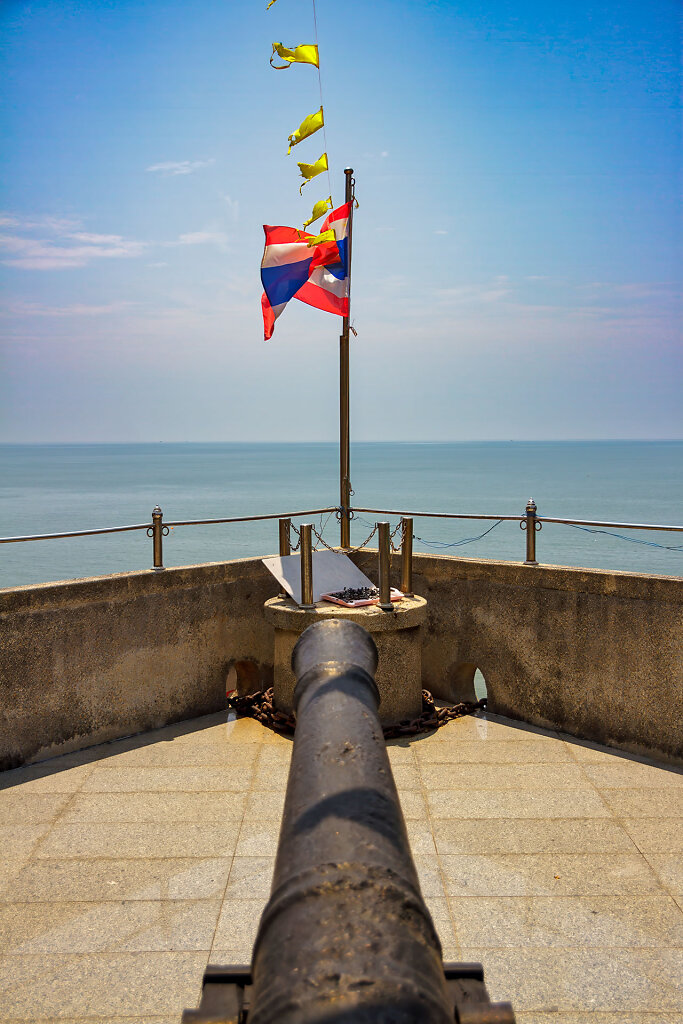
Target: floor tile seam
424 792
118 901
51 825
617 820
232 859
644 854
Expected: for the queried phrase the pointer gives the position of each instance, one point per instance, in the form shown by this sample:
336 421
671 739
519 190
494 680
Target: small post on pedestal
407 556
384 565
306 566
284 526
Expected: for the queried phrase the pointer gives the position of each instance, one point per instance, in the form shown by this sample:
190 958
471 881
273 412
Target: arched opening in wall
480 685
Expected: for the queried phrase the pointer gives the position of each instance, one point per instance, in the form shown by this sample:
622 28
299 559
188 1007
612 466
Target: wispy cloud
46 254
233 207
76 309
172 168
494 291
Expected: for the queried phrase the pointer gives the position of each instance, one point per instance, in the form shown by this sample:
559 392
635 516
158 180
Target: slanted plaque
332 572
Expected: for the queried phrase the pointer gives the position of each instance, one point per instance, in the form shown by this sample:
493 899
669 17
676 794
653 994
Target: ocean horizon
61 487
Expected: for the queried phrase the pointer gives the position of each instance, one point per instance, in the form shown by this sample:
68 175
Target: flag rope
320 87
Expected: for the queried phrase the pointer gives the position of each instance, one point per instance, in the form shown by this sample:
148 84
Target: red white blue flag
293 269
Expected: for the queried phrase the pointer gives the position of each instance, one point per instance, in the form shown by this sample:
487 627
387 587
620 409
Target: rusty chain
261 707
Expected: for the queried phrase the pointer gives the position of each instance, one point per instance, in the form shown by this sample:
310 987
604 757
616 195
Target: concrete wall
90 660
595 654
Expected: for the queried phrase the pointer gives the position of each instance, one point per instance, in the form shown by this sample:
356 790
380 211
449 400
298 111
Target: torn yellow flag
309 171
321 207
308 126
307 53
326 236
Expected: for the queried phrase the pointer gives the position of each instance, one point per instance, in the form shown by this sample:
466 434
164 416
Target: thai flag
317 275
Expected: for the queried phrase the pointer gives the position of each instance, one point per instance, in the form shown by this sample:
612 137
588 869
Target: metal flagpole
344 430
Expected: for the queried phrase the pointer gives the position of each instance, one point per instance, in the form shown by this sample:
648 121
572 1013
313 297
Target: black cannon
345 936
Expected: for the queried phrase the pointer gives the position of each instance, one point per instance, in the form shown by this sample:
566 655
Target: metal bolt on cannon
345 936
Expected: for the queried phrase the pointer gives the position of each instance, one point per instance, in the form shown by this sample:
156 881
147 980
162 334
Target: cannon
345 936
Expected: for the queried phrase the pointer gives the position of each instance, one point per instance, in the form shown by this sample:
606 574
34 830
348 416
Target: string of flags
296 264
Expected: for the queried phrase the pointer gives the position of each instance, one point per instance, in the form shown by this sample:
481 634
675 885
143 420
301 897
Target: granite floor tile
400 752
490 803
589 1017
406 776
583 979
488 728
474 752
44 778
120 879
183 779
664 802
429 874
412 804
236 930
569 921
138 840
618 874
188 755
656 835
134 926
163 808
17 808
270 777
504 835
631 775
441 916
501 777
99 984
166 1019
9 870
264 806
669 869
258 839
19 841
250 878
596 753
420 836
274 756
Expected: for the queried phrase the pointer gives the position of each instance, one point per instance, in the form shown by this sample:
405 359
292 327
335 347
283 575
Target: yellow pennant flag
326 236
321 207
308 126
307 53
270 5
309 171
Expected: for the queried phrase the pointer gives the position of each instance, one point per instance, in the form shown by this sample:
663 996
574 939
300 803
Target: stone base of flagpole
397 634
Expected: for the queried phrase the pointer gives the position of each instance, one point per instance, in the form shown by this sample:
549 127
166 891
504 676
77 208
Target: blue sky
517 250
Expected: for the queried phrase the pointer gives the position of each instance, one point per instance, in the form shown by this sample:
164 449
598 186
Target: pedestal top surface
285 613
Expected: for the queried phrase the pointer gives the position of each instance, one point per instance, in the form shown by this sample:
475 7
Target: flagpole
344 428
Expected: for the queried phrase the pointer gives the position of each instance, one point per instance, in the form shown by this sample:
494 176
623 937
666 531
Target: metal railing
529 521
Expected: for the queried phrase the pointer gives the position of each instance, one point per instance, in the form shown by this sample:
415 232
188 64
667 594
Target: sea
60 488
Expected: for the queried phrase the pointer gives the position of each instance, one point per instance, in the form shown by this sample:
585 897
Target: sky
517 249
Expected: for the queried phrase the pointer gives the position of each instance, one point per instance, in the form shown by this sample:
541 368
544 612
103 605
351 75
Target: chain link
294 547
261 707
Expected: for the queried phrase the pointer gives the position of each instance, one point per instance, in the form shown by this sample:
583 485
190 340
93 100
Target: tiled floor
127 867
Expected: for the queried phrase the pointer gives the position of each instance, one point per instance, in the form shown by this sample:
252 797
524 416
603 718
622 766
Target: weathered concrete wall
596 654
89 660
593 653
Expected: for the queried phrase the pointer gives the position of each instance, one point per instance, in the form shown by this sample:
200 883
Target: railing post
306 566
407 556
384 565
157 535
284 526
530 525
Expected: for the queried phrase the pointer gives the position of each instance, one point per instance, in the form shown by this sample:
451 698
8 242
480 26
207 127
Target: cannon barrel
345 936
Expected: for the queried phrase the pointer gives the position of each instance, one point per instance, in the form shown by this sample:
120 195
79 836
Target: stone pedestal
398 636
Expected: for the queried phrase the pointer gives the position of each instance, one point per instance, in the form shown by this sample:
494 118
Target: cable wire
631 540
320 86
